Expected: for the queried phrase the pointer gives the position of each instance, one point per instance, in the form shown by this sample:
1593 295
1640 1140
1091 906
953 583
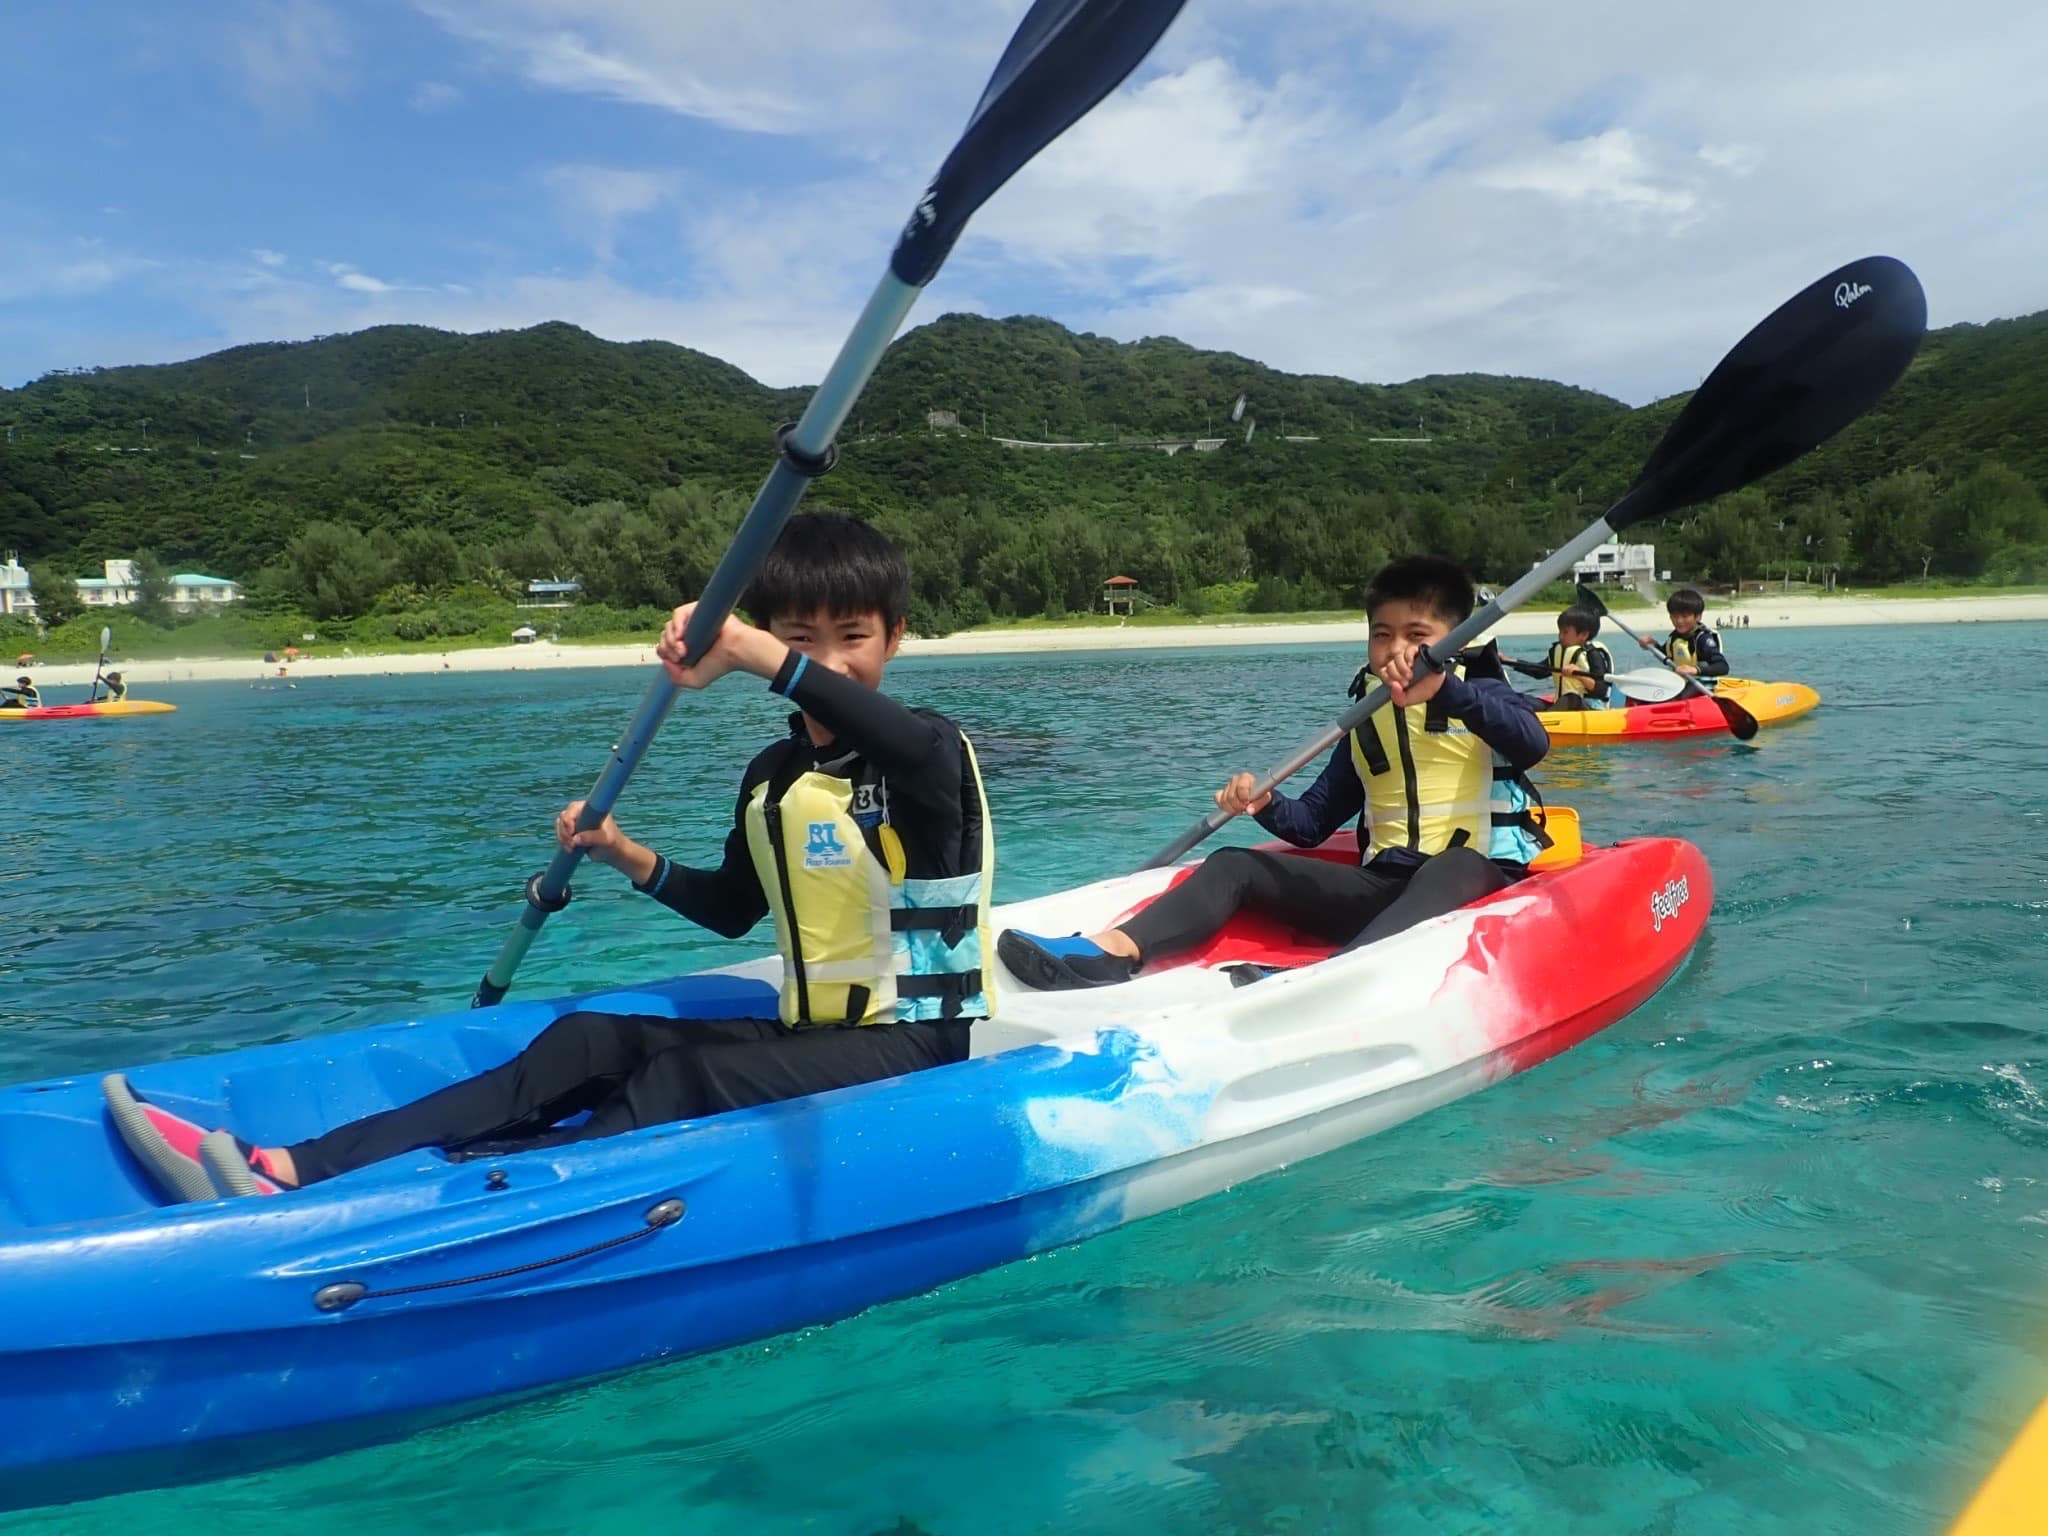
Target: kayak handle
343 1294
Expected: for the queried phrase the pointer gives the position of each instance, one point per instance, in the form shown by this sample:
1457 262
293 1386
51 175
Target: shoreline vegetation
1095 632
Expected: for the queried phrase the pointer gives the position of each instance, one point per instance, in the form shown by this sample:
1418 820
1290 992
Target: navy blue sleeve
1502 718
1526 668
1334 801
1707 655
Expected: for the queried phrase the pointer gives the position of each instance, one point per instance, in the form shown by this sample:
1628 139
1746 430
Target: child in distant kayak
1437 779
1578 667
117 690
1693 648
22 695
864 832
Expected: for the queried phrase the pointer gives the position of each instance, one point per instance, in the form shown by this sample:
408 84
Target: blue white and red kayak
143 1343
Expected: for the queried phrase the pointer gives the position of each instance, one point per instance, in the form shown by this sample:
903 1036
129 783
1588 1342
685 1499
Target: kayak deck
1689 715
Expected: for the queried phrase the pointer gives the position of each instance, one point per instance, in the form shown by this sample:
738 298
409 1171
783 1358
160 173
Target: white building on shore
1622 564
14 593
190 593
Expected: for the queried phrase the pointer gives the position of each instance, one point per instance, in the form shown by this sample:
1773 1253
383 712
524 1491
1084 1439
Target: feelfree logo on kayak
1664 904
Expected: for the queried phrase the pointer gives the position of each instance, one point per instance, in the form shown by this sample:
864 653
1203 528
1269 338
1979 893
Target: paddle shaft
1552 568
804 451
106 640
1064 57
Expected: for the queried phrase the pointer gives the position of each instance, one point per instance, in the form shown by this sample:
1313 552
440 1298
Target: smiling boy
1437 778
864 832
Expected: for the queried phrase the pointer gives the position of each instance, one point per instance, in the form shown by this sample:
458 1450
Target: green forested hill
374 472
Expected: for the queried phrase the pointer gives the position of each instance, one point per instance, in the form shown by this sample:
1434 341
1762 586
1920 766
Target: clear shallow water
1768 1256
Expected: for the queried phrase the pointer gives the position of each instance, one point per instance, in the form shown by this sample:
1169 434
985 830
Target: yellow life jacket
1562 656
1430 784
866 939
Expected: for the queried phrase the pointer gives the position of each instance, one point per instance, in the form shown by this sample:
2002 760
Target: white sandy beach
1763 613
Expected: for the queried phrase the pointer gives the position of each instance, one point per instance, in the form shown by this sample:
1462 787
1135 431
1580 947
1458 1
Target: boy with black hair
864 832
22 695
1577 667
1693 648
1437 779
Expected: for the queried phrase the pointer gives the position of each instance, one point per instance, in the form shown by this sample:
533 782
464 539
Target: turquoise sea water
1767 1256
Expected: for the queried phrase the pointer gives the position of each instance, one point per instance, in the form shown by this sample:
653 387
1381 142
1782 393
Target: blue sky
1599 194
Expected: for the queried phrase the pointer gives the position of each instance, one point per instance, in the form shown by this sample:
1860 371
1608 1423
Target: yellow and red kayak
1689 715
106 709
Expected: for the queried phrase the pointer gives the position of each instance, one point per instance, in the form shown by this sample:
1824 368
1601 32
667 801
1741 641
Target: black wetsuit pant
1341 904
629 1071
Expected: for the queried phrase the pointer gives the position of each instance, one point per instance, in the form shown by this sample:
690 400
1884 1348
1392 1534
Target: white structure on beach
117 589
14 593
1623 564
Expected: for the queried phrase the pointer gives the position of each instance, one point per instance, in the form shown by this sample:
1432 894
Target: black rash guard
1706 651
918 753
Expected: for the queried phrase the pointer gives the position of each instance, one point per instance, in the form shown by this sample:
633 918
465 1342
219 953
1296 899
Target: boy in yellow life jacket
1693 648
1437 779
863 832
1577 666
22 695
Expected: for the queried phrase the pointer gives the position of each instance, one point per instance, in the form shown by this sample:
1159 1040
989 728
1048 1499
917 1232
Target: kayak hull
142 1342
1688 715
104 710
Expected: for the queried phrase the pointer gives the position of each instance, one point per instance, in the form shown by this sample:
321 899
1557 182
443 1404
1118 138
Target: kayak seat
1251 939
1272 946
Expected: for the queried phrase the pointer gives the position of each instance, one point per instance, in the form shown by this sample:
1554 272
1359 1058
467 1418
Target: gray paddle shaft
1557 565
784 488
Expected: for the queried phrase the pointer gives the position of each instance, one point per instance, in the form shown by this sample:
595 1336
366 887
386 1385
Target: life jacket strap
953 989
952 924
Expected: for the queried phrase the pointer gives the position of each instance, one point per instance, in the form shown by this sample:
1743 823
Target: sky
1604 192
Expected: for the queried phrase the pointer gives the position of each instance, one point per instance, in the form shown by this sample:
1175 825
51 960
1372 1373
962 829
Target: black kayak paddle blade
1808 369
1065 57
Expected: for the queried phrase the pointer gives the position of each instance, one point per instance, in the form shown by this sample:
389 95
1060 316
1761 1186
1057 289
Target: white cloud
266 257
33 268
1612 167
347 276
1402 203
880 76
290 52
435 96
597 199
1604 194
